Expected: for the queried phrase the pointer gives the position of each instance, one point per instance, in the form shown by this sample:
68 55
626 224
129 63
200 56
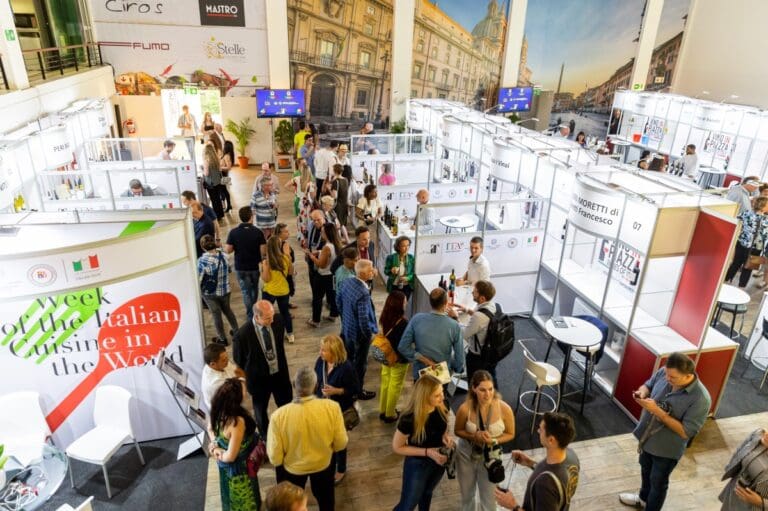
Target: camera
493 464
450 464
743 482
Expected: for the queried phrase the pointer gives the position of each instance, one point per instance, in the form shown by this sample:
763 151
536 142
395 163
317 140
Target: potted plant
284 139
242 131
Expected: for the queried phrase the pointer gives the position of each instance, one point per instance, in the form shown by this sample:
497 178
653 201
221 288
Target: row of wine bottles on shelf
449 285
392 218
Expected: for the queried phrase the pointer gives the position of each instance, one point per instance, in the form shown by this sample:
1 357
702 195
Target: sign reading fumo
595 210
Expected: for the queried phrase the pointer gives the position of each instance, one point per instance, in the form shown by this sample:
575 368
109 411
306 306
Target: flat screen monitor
280 103
515 99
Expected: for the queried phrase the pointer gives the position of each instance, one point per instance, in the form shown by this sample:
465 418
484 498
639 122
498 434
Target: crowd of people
306 437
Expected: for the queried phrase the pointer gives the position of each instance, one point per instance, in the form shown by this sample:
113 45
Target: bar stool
544 375
734 310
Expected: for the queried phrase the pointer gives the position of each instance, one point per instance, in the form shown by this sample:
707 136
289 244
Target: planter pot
242 161
283 161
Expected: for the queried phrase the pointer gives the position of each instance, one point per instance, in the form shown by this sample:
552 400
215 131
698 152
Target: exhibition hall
291 255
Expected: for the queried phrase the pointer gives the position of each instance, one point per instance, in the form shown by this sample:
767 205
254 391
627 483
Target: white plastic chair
112 415
23 429
543 375
85 506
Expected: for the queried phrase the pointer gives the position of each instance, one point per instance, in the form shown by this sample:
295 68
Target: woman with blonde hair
212 178
421 433
285 496
337 380
483 421
275 269
208 124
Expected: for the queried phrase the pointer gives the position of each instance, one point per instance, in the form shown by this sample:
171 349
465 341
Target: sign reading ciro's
596 210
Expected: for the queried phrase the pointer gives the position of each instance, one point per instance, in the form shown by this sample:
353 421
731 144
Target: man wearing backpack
555 478
487 317
477 329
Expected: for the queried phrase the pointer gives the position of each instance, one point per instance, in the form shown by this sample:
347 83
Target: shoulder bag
382 350
350 415
257 457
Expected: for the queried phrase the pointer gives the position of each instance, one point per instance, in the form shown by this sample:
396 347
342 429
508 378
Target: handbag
226 180
382 350
257 457
351 418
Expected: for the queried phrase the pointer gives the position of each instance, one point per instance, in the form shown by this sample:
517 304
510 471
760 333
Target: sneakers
631 499
290 338
312 323
366 395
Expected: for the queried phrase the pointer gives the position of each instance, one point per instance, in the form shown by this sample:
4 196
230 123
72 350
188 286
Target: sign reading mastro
228 13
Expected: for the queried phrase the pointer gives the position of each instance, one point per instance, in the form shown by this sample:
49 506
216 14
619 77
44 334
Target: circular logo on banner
512 243
42 275
436 193
493 243
452 193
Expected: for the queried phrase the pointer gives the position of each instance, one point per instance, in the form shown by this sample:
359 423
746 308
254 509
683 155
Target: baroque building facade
340 53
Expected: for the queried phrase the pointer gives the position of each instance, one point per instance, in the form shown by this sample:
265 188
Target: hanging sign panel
595 210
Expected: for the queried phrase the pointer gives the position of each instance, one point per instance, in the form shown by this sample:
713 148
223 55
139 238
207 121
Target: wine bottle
501 216
441 284
565 226
452 279
635 274
495 184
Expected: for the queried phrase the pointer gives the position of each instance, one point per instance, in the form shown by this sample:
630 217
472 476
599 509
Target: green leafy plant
514 118
397 127
242 130
284 136
3 459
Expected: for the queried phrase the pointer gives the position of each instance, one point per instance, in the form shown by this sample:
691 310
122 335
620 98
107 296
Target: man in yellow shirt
303 437
298 138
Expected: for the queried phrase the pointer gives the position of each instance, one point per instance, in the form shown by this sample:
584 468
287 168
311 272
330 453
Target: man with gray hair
424 217
264 206
358 320
303 438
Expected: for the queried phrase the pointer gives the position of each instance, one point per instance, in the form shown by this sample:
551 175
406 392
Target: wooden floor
609 465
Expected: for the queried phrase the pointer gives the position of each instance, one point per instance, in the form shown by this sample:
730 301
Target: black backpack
499 338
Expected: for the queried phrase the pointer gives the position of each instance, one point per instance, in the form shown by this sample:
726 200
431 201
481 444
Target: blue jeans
357 353
282 306
655 472
249 285
420 477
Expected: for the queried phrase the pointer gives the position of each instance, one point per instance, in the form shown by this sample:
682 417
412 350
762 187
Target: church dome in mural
492 25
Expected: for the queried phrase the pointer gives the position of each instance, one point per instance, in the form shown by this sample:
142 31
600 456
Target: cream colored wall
722 52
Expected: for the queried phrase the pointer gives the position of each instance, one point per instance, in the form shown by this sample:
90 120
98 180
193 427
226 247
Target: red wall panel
712 369
638 365
702 273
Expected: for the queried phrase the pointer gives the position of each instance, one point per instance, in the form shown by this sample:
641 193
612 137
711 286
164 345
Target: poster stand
180 392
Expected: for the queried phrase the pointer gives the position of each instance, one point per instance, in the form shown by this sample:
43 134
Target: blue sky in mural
466 13
592 37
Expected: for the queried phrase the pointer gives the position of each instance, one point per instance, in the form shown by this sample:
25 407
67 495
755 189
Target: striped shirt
264 209
213 273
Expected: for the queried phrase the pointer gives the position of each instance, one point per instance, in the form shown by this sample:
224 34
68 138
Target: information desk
386 242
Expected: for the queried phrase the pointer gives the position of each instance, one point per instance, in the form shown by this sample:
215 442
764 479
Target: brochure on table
730 138
83 305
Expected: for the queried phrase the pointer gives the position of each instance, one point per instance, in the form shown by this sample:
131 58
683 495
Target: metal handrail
335 63
44 60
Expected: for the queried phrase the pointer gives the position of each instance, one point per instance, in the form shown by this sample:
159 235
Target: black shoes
218 340
366 395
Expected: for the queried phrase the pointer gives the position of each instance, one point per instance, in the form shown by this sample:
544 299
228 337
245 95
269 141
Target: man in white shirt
168 147
426 216
690 161
477 328
218 368
478 267
218 131
325 158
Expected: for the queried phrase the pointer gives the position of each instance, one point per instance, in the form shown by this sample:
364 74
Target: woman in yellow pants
393 323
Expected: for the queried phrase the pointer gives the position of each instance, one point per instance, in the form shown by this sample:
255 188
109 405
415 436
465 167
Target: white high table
456 222
578 334
730 295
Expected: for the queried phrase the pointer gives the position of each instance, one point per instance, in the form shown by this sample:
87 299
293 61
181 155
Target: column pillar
513 44
402 58
13 59
646 43
277 44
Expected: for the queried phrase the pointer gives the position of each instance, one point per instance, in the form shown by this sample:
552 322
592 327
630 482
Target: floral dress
238 491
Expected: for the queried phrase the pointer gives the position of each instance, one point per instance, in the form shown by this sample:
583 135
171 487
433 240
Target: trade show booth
89 300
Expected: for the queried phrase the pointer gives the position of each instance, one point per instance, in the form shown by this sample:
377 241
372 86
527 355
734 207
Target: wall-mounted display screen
515 99
280 103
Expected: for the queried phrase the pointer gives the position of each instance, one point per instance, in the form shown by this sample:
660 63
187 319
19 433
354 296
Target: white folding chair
85 506
112 416
543 375
23 429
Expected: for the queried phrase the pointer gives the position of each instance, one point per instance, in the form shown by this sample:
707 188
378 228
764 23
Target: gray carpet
162 484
